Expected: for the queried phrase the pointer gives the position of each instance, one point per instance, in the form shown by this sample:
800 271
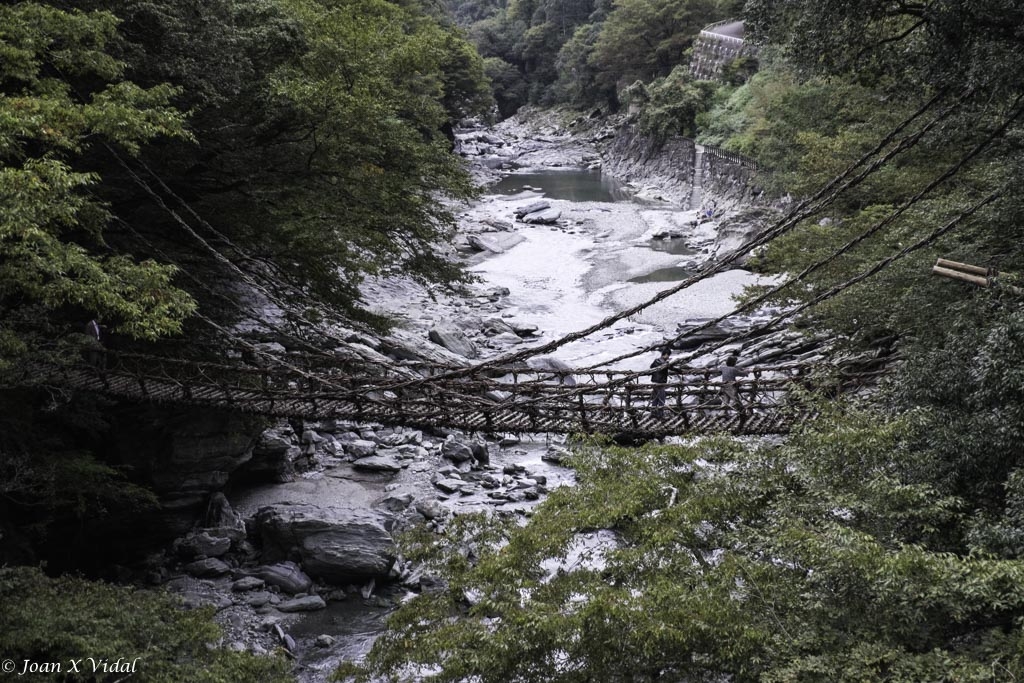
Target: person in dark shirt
659 378
94 351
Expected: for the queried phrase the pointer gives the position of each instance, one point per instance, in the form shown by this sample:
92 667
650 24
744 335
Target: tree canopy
880 543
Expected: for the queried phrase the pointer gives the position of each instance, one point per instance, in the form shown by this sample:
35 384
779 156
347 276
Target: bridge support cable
224 260
866 165
285 306
794 217
841 251
779 228
837 289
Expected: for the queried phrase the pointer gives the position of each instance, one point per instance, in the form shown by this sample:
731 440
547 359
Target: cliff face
665 170
680 170
183 454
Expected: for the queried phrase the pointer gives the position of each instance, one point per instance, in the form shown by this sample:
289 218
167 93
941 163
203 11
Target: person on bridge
730 392
660 378
94 352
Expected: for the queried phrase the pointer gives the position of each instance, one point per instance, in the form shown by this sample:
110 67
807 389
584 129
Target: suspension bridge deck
520 401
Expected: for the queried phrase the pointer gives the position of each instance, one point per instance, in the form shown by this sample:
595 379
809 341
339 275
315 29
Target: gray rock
203 544
285 575
378 463
449 485
524 329
195 600
496 326
556 455
324 640
480 453
361 448
494 243
274 455
309 603
457 451
532 208
506 339
498 396
207 568
259 598
397 503
222 521
431 509
335 544
247 583
547 217
453 340
497 224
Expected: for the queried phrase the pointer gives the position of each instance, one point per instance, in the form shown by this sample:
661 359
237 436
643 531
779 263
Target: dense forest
884 542
309 141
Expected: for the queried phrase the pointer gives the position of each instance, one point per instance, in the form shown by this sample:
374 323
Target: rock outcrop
334 544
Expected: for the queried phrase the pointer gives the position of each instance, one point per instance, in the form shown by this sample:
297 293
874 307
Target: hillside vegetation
884 542
155 153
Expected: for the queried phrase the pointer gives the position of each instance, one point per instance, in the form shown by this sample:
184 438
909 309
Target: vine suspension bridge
504 395
495 400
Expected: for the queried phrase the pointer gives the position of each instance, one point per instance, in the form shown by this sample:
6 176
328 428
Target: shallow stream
606 252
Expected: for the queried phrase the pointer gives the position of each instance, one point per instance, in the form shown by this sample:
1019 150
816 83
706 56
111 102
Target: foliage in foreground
47 620
876 547
61 93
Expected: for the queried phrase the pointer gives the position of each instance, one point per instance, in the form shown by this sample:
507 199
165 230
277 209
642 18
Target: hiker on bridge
95 353
730 392
660 378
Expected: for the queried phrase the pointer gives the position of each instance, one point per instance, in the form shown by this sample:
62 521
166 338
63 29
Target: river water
608 252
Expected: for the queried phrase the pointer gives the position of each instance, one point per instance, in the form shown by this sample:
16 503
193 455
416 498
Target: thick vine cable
546 348
846 248
826 194
946 175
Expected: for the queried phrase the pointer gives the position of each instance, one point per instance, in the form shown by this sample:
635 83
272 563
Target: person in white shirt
730 392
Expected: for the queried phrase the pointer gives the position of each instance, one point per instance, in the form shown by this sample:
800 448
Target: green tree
61 97
321 171
59 620
645 39
826 559
674 103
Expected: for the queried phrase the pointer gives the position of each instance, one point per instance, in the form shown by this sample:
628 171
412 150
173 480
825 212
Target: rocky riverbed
305 559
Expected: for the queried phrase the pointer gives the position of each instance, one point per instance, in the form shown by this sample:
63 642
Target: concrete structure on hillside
716 46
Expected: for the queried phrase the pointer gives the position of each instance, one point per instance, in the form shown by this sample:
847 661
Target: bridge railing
533 400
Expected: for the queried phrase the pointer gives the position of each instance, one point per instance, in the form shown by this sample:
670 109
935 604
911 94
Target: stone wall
669 167
716 46
730 176
638 159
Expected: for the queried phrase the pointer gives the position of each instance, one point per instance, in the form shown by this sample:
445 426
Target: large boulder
183 455
453 340
385 462
457 451
494 243
202 544
209 567
273 456
533 207
335 544
309 603
285 575
546 217
222 521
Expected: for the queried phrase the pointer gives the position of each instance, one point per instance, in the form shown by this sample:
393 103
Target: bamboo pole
965 267
963 277
962 272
